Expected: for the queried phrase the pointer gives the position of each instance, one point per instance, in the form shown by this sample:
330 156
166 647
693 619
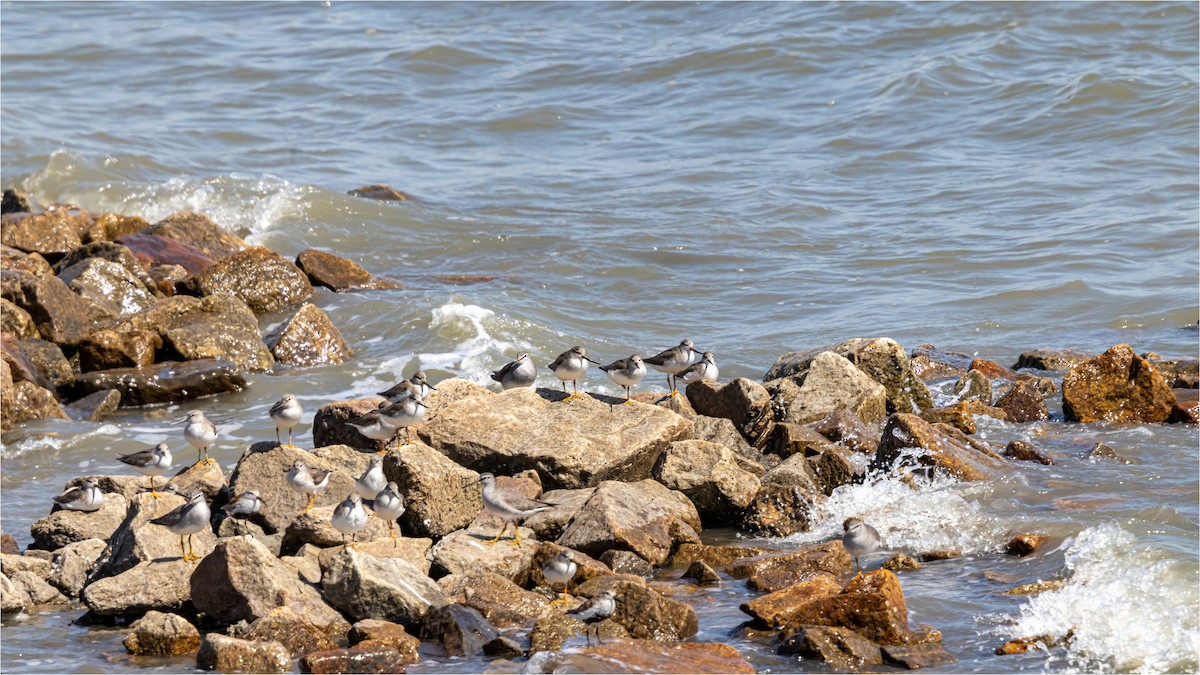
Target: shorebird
673 361
389 505
560 570
200 434
594 611
859 539
508 505
153 462
403 414
84 497
626 372
372 480
705 369
185 520
372 426
348 518
569 367
245 504
310 482
286 414
517 373
417 384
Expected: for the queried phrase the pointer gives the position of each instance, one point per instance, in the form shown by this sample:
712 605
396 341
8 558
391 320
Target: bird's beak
592 360
431 386
472 482
421 404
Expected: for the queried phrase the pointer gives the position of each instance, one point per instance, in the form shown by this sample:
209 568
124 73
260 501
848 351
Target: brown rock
8 397
721 430
789 438
941 451
113 225
107 349
775 571
387 634
20 261
263 468
829 382
15 201
8 544
166 382
307 338
843 427
932 363
339 274
13 597
108 285
993 370
60 316
21 364
587 567
413 549
916 656
1117 386
289 629
467 551
366 657
1052 359
1187 407
872 604
841 648
258 276
780 608
1036 587
330 428
460 630
231 655
165 277
48 360
31 402
16 321
642 517
199 231
626 562
1026 452
701 573
158 585
155 250
833 469
379 192
1024 544
54 231
1179 373
717 556
40 592
137 540
902 562
957 416
621 655
642 611
64 527
778 510
503 603
438 493
710 476
1023 403
973 385
162 634
745 402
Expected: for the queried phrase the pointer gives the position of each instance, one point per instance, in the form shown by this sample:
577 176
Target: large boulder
643 611
829 382
710 476
644 517
73 564
137 540
107 349
109 285
152 585
47 358
263 468
459 629
314 527
64 527
339 274
166 382
1117 386
909 440
496 597
780 608
779 510
13 597
470 551
1052 359
158 251
61 316
438 493
197 230
570 446
31 402
366 587
54 231
744 402
227 654
307 338
111 252
258 276
881 359
162 634
871 604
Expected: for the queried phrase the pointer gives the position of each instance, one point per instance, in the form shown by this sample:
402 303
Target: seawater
762 178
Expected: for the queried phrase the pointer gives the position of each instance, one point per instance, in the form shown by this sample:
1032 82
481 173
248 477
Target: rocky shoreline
101 310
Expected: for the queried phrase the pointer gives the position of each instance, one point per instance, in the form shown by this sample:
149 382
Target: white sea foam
476 352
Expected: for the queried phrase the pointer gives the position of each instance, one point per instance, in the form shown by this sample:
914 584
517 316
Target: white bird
705 369
245 504
859 539
520 372
200 434
185 520
153 462
286 414
626 372
84 497
569 367
308 481
673 361
509 505
349 517
389 505
372 480
560 569
594 611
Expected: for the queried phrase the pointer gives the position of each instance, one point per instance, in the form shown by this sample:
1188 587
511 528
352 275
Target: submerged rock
378 191
307 338
775 571
460 630
1052 359
339 274
623 655
366 657
905 433
841 648
1117 386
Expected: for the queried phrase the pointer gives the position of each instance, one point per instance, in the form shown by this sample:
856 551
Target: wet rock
61 316
710 476
640 656
872 604
366 657
8 544
366 587
717 556
437 492
15 201
387 634
379 192
67 527
722 430
8 397
53 231
73 563
551 631
20 261
468 551
106 349
778 510
162 634
242 580
165 277
788 438
958 416
843 427
166 382
1024 544
1036 587
642 517
775 571
1052 359
744 402
460 630
108 285
642 611
13 597
31 402
833 469
16 321
1023 403
1117 386
796 471
199 231
974 386
109 226
993 370
156 250
886 362
258 276
901 562
231 655
95 407
931 363
626 562
157 584
1025 451
137 540
285 626
702 573
314 528
1027 644
1179 373
828 383
1104 451
1187 407
904 432
339 274
307 338
916 656
570 446
21 362
841 648
503 603
329 424
780 608
40 592
48 359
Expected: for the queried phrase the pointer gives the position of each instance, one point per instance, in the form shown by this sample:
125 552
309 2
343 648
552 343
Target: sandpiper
245 504
626 372
560 570
673 361
308 481
372 426
417 384
286 414
594 611
706 369
152 462
349 517
508 505
84 497
569 367
200 434
859 539
372 480
186 520
518 373
403 414
389 505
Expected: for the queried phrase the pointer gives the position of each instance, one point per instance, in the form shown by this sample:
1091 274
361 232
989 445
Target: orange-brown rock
957 416
106 349
788 438
385 633
841 648
717 556
293 631
1027 644
1023 403
993 370
914 656
905 432
230 655
1052 359
199 231
1025 451
61 316
497 598
931 363
1024 544
16 321
843 427
161 634
775 571
1117 386
779 510
780 608
258 276
307 338
54 231
365 657
20 261
1187 407
379 192
109 226
644 612
339 274
586 566
871 604
155 250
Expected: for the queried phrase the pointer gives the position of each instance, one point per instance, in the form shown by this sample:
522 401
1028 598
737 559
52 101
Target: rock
702 573
549 525
462 631
199 231
843 427
775 571
872 604
13 597
238 527
503 603
642 611
95 407
339 274
165 277
916 656
8 544
307 338
53 231
745 402
162 634
902 562
958 416
778 510
263 468
931 363
551 631
626 562
15 201
285 626
722 430
1025 451
156 250
416 550
993 370
1027 644
642 517
1106 452
884 361
156 584
1036 587
59 315
8 397
16 321
437 492
166 382
330 428
641 656
1117 386
828 383
137 540
1179 373
258 276
1024 544
710 476
40 592
1187 407
788 438
106 349
11 563
366 587
944 453
387 634
841 648
974 386
67 527
23 363
1052 359
231 655
780 608
242 580
31 402
314 528
109 226
833 469
796 471
20 261
467 551
367 657
73 563
378 191
717 556
109 285
1023 403
570 446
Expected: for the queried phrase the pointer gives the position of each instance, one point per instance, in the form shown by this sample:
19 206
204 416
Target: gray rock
710 476
744 402
830 382
40 592
73 564
438 493
13 597
158 585
67 527
644 517
137 540
467 551
366 587
109 285
263 468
